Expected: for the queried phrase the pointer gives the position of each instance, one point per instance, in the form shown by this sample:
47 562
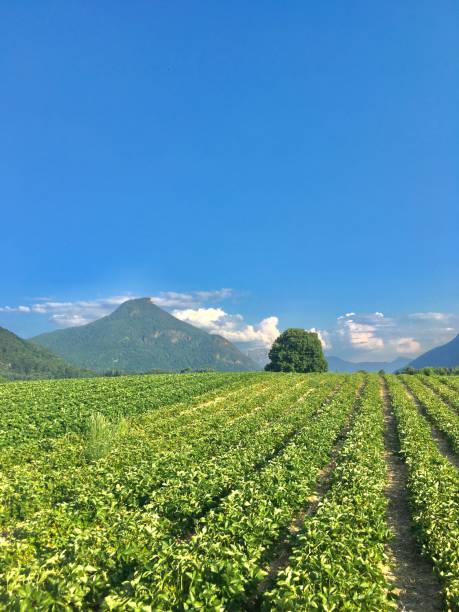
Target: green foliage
431 371
444 417
176 492
297 350
140 337
40 410
339 557
23 360
434 491
101 435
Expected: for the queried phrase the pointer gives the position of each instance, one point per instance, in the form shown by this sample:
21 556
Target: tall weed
101 435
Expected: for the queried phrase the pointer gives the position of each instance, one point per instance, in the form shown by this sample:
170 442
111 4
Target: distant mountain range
141 337
20 359
445 356
259 355
336 364
138 337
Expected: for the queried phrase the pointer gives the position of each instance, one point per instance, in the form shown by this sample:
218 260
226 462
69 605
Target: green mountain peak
139 336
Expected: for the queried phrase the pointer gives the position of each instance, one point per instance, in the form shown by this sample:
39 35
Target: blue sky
303 155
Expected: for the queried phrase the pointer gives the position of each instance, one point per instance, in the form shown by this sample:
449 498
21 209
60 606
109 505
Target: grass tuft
101 435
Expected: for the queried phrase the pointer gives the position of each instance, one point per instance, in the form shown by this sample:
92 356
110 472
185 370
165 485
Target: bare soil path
415 584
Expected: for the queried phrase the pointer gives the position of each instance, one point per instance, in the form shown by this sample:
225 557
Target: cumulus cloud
363 336
201 317
376 336
360 331
324 337
406 346
231 326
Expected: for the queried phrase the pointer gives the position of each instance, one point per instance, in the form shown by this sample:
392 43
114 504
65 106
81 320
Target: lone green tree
297 350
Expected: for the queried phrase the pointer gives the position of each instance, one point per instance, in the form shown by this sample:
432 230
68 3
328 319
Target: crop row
160 424
450 395
450 381
100 516
46 409
444 417
433 485
151 447
221 562
339 558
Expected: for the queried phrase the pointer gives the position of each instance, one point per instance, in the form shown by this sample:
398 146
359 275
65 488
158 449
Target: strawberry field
251 491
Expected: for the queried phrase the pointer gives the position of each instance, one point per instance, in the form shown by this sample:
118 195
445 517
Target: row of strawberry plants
151 454
339 557
446 419
187 487
160 424
450 395
433 485
42 409
220 565
450 381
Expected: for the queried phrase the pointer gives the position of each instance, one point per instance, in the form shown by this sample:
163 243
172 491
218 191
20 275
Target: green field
249 491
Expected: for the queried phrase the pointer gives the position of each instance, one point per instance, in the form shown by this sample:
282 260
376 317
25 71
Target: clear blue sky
304 154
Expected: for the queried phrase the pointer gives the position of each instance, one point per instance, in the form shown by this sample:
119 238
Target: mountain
259 355
20 359
336 364
445 356
138 337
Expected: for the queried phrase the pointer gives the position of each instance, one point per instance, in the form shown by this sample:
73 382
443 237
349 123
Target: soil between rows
412 576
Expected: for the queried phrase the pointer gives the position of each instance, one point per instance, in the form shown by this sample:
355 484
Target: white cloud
173 299
231 326
360 331
430 316
324 337
185 306
70 320
363 336
201 317
375 336
406 346
80 312
66 314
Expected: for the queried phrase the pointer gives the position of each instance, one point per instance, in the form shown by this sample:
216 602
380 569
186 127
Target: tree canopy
297 350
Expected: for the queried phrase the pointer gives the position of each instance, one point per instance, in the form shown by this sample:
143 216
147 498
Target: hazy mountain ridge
21 359
139 336
444 356
336 364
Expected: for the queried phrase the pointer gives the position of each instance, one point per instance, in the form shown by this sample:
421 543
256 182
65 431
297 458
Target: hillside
139 337
20 359
336 364
445 356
